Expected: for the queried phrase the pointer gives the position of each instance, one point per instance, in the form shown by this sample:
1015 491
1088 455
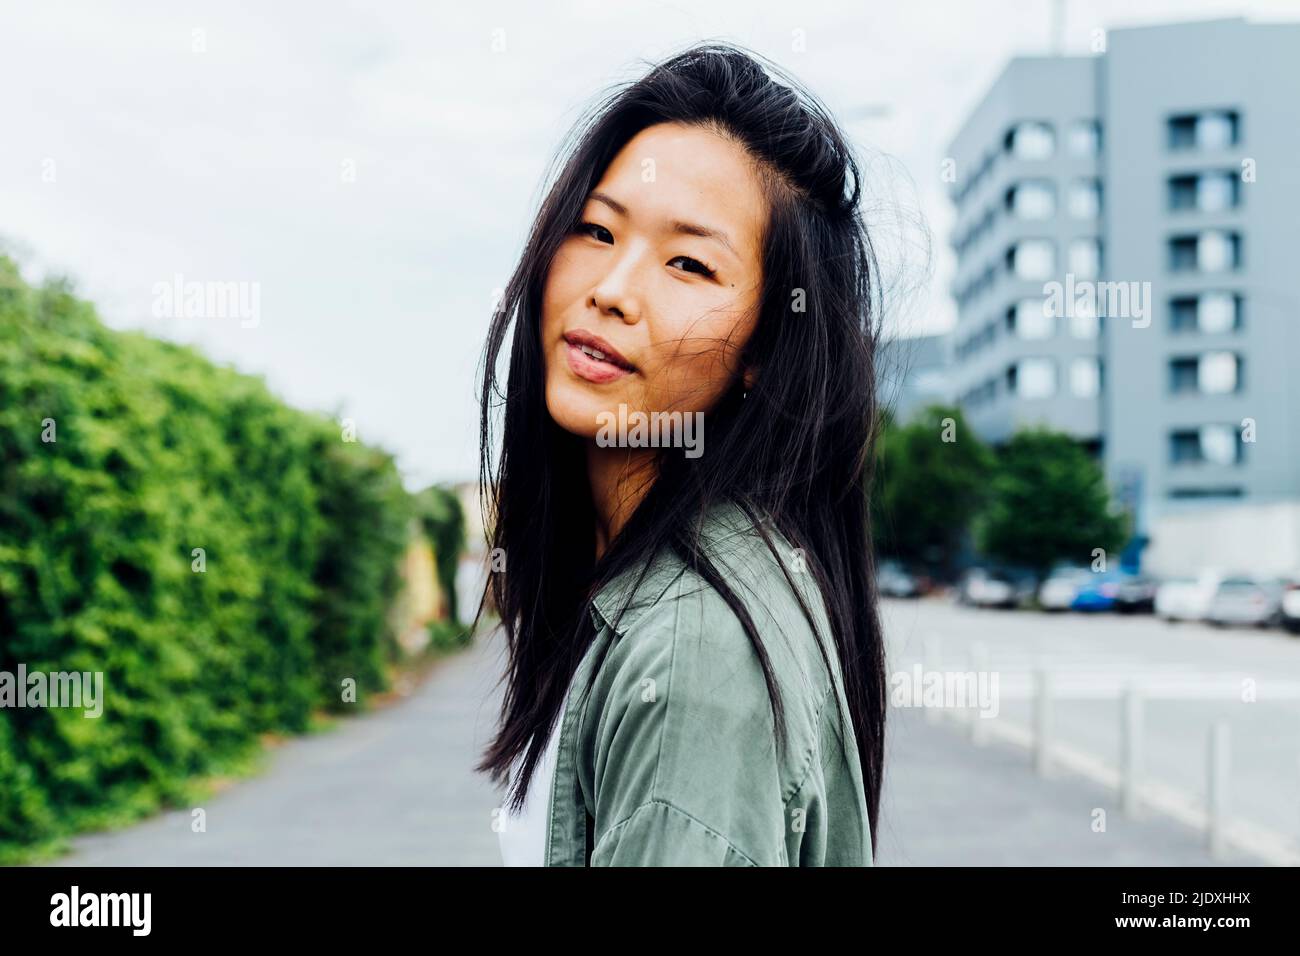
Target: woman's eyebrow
677 225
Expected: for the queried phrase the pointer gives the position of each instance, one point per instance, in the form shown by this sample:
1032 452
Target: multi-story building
1027 166
1126 230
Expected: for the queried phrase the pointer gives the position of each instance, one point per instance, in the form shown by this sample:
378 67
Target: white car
981 588
1061 588
1247 600
1187 599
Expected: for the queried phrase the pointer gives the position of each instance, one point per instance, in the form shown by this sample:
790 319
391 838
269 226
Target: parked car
1187 598
1098 592
1247 600
1291 608
1058 592
981 587
893 580
1136 595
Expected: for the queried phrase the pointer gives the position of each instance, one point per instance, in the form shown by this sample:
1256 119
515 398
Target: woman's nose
619 291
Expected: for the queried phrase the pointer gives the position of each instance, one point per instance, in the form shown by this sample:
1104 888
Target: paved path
391 787
948 802
1192 677
394 787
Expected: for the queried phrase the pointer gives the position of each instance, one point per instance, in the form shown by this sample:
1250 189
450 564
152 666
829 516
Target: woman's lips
591 368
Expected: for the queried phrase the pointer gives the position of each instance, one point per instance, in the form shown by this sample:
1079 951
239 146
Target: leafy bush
157 453
444 522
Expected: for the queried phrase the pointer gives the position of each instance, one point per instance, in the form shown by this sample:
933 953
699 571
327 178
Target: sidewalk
392 787
948 802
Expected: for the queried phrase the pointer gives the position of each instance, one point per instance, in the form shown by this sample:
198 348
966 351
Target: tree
931 475
1048 503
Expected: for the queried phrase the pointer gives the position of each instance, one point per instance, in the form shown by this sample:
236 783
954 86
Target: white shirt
523 835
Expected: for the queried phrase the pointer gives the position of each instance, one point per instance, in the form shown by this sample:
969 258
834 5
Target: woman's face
660 278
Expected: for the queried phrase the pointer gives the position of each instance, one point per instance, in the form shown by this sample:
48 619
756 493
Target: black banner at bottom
930 905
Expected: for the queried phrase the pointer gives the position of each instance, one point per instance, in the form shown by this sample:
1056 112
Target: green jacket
672 760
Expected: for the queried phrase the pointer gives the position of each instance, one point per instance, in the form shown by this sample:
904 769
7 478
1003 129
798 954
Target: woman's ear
751 376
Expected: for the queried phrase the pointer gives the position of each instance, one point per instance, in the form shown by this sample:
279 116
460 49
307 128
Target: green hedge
443 521
158 452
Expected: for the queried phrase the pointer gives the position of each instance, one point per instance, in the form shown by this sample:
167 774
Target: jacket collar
723 522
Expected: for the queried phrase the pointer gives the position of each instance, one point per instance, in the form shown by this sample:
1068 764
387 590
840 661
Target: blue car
1098 592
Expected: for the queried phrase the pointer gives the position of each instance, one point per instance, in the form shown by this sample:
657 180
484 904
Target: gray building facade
1126 234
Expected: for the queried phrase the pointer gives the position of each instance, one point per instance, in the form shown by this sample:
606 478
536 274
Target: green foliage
366 516
931 476
158 452
1048 503
448 635
444 522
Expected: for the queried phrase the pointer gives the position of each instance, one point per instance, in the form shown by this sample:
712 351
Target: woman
695 672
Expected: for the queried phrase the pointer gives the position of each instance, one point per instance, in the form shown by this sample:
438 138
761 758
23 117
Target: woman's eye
597 232
693 265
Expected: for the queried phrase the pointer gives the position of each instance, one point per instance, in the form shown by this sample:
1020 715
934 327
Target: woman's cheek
685 377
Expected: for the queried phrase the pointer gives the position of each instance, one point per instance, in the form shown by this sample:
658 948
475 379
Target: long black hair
797 451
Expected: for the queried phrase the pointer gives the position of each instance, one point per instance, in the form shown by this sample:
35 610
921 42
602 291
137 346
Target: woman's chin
583 418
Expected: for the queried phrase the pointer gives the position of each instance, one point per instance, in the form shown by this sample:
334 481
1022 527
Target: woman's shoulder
668 604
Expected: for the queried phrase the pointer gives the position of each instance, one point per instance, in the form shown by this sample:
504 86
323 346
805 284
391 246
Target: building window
1085 258
1032 259
1210 312
1030 140
1205 493
1210 444
1182 375
1084 199
1084 138
1214 250
1085 377
1212 373
1218 251
1032 378
1030 320
1219 373
1220 444
1218 312
1208 130
1182 314
1033 199
981 394
1084 323
1184 447
1182 254
1204 192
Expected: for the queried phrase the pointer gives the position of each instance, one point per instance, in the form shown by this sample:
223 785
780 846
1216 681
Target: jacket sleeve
659 834
679 755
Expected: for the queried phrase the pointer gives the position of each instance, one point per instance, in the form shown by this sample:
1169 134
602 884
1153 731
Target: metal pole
1131 751
1042 722
1217 810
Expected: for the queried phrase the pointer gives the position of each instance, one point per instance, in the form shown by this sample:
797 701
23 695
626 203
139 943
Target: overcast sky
372 166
